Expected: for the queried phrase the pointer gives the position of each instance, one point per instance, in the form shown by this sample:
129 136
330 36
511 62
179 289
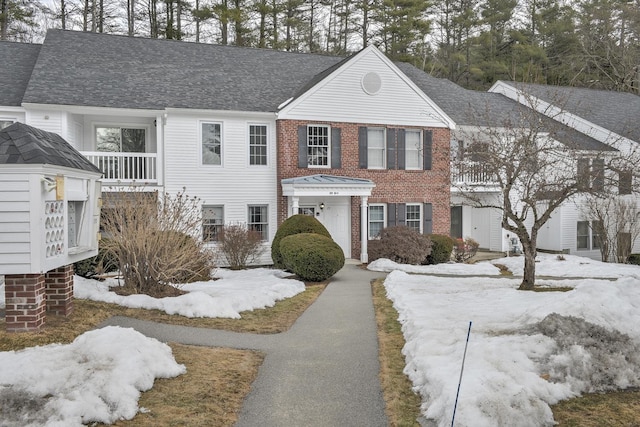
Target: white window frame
201 124
212 222
591 235
310 147
265 224
382 149
266 143
10 120
369 221
417 150
419 220
121 126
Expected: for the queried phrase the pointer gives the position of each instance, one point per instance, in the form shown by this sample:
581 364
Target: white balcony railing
140 168
471 173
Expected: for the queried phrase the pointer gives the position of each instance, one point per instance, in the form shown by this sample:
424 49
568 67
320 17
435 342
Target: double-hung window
413 149
212 222
211 138
376 148
376 220
258 144
588 235
259 220
318 146
413 216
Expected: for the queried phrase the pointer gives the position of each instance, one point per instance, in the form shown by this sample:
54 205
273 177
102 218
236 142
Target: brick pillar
59 290
25 301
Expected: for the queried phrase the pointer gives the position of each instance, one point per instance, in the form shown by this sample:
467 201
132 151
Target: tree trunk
4 19
530 252
130 16
63 14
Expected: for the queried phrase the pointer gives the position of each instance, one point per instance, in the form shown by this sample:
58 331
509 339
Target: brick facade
392 186
30 296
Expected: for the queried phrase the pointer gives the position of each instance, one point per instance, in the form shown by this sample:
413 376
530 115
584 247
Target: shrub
634 259
313 257
239 245
441 248
294 225
401 244
104 262
465 249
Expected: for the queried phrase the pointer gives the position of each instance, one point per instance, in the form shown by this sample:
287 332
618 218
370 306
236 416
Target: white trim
267 146
384 218
421 215
384 148
329 148
89 110
420 149
222 150
120 125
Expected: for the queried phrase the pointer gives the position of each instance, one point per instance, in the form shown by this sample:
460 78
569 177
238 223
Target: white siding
17 116
341 98
15 228
51 121
235 184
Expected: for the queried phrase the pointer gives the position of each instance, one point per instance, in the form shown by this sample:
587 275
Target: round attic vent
371 83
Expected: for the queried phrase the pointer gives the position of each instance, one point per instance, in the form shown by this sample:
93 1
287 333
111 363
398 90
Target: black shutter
336 150
427 212
362 147
428 148
391 215
402 214
302 147
401 149
391 149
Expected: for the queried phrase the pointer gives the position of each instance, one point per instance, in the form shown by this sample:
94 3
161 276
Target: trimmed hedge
313 257
294 225
401 244
634 259
441 248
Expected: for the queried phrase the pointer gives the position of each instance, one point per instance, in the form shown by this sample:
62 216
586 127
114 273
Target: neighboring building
243 129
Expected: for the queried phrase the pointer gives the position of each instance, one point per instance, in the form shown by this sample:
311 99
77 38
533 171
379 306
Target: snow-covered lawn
100 375
527 350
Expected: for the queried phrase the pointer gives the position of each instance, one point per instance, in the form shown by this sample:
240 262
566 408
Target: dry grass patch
209 394
614 409
402 404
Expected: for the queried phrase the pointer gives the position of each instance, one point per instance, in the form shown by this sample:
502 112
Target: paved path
322 372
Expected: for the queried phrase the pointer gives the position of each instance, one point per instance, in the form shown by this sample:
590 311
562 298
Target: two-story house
256 134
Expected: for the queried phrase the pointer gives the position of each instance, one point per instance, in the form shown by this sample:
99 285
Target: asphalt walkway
322 372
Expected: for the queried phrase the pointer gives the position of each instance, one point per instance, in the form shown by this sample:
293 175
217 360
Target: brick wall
392 186
59 290
25 301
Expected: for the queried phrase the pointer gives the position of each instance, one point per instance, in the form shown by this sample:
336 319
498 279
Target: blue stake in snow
464 356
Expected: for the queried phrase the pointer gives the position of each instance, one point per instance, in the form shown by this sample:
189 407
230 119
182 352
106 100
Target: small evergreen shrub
294 225
465 249
313 257
441 248
104 262
634 259
401 244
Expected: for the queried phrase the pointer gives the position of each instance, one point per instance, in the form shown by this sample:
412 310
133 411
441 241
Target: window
212 222
588 235
376 220
259 220
211 134
625 182
318 146
376 148
257 144
597 175
120 139
590 174
413 149
5 123
413 217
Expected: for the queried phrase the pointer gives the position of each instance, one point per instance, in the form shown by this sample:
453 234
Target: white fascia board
298 190
14 109
265 115
442 118
79 109
572 120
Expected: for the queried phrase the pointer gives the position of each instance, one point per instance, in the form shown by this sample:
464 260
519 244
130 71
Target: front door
456 222
334 214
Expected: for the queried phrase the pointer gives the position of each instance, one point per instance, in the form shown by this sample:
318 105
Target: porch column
295 205
364 229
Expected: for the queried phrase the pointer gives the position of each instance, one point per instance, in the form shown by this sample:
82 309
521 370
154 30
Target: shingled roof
129 72
17 64
24 144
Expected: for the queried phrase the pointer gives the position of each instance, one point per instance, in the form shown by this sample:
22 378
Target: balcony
125 168
471 174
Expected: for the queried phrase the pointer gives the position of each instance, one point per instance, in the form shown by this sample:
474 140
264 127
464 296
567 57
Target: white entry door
335 215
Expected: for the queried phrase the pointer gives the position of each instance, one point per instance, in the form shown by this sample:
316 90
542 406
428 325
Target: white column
295 205
364 229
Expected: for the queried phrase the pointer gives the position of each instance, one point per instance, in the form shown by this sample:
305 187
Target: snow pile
520 359
96 378
571 266
458 269
234 292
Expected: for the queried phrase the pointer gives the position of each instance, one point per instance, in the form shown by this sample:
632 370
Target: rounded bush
313 257
401 244
441 248
294 225
634 259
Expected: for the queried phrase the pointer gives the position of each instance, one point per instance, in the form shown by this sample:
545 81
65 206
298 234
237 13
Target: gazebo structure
49 219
